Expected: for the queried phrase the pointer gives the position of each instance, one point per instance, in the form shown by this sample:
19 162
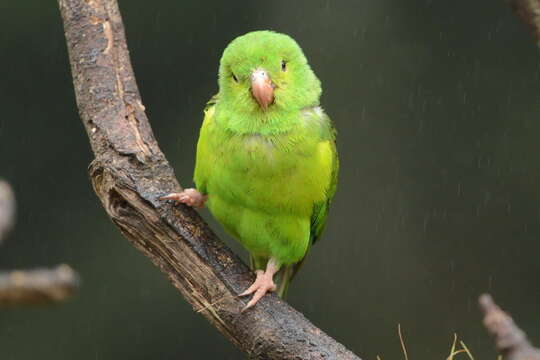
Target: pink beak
262 88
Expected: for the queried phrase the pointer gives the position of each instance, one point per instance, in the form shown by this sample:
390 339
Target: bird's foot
263 284
259 288
189 197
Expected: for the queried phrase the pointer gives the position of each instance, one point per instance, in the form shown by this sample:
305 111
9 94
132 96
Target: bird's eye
283 65
234 77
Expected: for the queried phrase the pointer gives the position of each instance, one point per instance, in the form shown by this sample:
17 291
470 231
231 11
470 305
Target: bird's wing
204 160
329 158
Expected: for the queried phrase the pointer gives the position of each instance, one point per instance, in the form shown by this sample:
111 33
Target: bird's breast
270 174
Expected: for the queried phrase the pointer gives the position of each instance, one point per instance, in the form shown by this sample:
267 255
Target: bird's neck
263 122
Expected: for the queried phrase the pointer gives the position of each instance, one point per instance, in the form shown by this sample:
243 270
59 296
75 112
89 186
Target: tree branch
7 209
529 12
130 173
23 287
40 286
510 340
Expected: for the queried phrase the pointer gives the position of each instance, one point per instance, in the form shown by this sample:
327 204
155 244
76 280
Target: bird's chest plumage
267 173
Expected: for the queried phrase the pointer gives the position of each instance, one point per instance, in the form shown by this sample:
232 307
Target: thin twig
402 342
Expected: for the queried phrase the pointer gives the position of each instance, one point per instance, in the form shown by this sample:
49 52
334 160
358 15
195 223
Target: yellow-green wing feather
205 155
320 209
330 159
329 151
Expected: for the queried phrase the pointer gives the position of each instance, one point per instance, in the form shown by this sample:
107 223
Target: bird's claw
189 197
263 284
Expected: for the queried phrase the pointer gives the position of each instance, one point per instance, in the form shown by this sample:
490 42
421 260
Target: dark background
436 104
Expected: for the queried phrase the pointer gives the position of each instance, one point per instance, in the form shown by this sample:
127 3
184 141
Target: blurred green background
436 104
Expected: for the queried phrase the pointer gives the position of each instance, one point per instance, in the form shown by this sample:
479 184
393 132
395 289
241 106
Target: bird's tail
285 276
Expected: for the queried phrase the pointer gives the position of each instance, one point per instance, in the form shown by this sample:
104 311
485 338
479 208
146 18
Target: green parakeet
266 158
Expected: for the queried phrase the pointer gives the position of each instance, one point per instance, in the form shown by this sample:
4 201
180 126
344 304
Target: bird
266 162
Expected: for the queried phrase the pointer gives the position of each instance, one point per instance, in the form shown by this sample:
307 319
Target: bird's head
264 71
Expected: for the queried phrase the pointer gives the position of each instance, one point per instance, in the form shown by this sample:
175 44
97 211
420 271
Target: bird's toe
260 287
190 197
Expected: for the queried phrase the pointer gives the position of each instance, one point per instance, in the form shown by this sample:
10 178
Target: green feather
270 175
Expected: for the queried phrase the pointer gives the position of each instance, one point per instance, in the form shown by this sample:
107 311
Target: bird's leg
263 283
189 197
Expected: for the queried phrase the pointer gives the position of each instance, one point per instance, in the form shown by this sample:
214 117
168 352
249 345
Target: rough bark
130 173
510 340
39 286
